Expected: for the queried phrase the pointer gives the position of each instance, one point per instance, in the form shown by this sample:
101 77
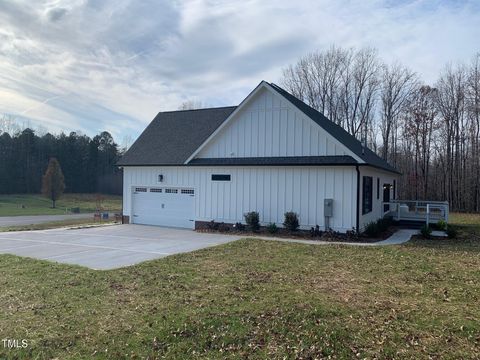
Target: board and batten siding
377 204
269 190
268 125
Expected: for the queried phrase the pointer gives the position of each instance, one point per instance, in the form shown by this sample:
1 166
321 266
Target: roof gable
355 146
268 125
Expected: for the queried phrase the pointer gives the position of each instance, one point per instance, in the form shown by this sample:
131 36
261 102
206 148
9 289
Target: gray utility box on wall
328 207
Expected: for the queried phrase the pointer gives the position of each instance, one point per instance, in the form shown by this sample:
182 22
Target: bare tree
473 111
420 125
341 83
316 79
450 103
53 182
8 124
359 88
398 85
191 105
126 143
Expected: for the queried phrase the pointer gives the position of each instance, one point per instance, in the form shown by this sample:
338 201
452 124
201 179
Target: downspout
358 199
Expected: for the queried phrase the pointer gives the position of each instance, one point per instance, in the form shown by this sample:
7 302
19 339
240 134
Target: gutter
240 165
358 199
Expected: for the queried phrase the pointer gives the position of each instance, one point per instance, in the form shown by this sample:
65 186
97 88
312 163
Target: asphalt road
39 219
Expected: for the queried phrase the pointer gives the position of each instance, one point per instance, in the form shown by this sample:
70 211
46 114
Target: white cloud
114 64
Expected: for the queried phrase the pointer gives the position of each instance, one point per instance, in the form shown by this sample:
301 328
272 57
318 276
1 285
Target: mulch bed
330 236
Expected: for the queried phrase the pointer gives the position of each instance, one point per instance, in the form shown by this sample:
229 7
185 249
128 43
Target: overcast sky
93 65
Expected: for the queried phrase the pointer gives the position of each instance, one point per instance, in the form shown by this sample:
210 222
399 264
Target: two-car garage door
165 206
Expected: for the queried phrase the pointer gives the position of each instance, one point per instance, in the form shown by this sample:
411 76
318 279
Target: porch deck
417 211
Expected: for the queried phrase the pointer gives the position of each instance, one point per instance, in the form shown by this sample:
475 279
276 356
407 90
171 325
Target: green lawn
57 224
253 299
36 204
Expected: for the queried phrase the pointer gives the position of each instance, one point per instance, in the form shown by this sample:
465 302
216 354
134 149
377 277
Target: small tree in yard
53 182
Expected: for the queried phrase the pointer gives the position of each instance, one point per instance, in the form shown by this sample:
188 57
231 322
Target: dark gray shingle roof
337 132
173 136
277 160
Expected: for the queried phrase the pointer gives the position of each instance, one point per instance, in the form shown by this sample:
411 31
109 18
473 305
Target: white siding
269 190
377 205
270 126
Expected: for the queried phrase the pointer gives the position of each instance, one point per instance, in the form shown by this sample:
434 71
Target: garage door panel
173 208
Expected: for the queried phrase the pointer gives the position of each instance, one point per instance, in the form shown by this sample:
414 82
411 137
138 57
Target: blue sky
93 65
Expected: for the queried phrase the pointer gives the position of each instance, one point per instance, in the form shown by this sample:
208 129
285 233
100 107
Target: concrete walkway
400 237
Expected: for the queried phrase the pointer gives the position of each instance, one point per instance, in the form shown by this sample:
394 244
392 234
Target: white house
271 154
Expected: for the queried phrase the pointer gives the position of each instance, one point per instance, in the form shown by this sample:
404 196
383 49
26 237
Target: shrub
331 235
291 221
352 234
452 232
222 227
212 225
272 228
426 231
442 225
371 229
384 224
253 220
315 231
239 226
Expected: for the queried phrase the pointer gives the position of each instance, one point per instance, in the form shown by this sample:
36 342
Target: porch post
428 214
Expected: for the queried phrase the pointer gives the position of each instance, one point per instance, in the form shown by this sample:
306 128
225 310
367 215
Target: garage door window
156 190
188 191
140 189
171 191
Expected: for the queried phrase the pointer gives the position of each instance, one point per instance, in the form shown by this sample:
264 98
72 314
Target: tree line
88 164
429 132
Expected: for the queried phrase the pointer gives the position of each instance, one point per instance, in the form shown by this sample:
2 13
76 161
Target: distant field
36 204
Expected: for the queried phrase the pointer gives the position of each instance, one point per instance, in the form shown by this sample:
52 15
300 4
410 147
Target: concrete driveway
107 247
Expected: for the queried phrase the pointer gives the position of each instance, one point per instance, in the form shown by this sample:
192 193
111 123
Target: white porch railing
417 210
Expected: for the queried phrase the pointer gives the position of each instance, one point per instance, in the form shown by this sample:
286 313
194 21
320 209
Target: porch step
411 224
